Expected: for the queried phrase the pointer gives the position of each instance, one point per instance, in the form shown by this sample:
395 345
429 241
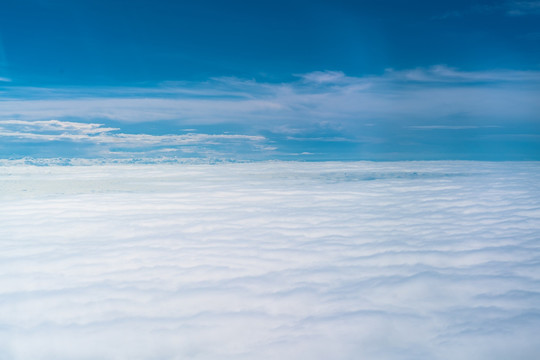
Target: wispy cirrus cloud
316 97
324 77
53 126
508 8
447 127
103 139
65 130
443 73
327 104
522 8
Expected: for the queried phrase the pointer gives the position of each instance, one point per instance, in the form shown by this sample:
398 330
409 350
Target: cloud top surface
411 260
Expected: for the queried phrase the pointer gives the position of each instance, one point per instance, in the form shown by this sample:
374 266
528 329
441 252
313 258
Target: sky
254 80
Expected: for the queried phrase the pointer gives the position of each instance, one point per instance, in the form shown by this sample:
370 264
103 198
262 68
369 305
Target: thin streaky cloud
394 95
324 77
361 110
57 125
523 8
501 8
108 138
443 73
451 127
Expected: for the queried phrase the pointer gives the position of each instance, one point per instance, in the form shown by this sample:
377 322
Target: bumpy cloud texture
271 261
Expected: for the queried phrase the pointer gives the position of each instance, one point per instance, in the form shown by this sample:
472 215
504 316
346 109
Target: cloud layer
271 260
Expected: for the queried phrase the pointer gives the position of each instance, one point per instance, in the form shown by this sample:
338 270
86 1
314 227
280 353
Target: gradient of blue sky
318 80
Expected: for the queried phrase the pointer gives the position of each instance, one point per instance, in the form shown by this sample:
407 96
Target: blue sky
310 80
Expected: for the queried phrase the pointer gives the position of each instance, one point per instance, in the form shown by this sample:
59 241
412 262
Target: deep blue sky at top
88 42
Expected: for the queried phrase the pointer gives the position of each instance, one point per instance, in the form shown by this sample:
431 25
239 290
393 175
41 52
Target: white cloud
56 126
411 260
448 127
319 100
443 73
55 130
508 8
324 77
521 8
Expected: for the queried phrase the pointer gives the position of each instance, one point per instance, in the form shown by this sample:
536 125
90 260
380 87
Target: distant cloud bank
270 260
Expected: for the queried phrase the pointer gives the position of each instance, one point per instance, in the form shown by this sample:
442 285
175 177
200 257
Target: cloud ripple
271 260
